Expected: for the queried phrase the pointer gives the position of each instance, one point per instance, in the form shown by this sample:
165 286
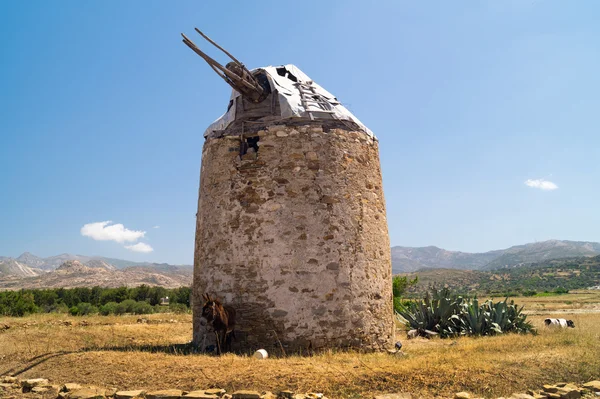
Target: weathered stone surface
200 395
569 393
215 391
165 394
40 389
462 395
246 394
34 382
592 386
87 393
70 386
521 396
286 394
12 380
129 394
258 223
7 385
550 388
403 395
268 395
110 392
553 395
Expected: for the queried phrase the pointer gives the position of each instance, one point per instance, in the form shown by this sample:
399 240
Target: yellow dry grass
117 352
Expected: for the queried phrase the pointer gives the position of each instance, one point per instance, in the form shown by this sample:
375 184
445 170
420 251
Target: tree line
84 300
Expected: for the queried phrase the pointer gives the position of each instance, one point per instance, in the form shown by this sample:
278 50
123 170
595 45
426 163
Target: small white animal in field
561 323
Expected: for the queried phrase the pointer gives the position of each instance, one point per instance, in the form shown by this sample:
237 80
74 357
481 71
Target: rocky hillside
39 265
11 267
73 273
408 259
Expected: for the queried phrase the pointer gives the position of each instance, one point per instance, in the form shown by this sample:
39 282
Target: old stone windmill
291 227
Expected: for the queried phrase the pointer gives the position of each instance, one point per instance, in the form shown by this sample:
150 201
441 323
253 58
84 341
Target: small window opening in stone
250 142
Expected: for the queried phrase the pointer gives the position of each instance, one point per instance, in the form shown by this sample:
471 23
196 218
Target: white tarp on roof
290 99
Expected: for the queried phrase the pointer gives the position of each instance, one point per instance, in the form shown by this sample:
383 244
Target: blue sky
102 110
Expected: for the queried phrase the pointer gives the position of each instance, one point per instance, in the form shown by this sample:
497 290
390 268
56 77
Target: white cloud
140 247
542 184
156 227
105 231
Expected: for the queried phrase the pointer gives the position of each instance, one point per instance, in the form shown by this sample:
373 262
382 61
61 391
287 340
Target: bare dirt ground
119 352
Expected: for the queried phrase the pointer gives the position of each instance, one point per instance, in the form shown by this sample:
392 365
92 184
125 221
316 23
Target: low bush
82 309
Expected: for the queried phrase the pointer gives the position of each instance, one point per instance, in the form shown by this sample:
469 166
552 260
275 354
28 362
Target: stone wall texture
294 236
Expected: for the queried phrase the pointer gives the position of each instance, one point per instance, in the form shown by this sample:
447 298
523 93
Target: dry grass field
119 352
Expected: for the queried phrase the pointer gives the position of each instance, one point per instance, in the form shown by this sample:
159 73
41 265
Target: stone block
129 394
246 394
165 394
462 395
87 393
199 395
215 391
70 386
521 396
592 386
403 395
34 382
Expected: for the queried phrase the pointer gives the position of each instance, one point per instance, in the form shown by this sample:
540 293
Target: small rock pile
41 386
561 390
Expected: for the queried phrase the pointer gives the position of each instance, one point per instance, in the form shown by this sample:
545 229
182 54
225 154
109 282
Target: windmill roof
291 86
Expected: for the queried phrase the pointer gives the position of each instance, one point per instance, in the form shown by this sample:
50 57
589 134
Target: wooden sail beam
235 73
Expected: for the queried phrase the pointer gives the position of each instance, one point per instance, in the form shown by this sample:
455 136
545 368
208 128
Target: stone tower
291 226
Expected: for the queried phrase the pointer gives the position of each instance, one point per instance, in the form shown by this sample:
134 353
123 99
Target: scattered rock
402 395
31 383
268 395
462 395
280 133
286 394
592 386
200 395
39 389
7 385
165 394
70 386
13 380
129 394
243 394
521 396
87 393
215 391
550 388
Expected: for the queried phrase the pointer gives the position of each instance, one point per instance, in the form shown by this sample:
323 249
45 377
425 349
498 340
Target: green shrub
178 308
82 309
108 308
142 307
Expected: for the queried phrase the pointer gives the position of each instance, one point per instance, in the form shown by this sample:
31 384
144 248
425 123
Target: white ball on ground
261 354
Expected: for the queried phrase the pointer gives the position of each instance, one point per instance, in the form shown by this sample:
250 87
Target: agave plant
449 315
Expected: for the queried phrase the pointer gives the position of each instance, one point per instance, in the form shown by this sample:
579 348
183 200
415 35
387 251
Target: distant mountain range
67 270
408 259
